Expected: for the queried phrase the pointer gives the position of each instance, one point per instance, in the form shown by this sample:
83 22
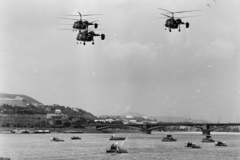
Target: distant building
57 118
133 121
99 120
17 101
109 120
129 116
22 119
58 111
145 117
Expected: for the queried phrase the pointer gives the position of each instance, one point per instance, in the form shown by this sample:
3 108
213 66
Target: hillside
27 98
71 112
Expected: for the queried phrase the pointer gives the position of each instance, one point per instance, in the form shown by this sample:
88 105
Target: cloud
117 51
223 47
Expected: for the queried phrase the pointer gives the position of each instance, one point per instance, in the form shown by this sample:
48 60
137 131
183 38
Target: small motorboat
221 144
208 139
41 131
117 138
116 150
169 138
75 138
192 145
20 131
56 139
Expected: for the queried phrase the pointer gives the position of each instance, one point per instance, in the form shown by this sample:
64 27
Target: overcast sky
139 67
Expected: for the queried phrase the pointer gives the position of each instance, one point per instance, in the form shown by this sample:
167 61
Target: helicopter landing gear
169 30
83 43
92 43
179 29
187 25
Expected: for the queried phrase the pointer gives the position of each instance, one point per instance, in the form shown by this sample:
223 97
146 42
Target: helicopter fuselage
173 23
81 25
85 36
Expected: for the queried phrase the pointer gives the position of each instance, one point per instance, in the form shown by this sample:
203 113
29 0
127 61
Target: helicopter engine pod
187 25
95 25
102 36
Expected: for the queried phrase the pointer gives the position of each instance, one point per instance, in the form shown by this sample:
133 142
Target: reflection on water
139 146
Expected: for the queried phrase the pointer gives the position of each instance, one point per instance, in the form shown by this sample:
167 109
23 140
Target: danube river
140 147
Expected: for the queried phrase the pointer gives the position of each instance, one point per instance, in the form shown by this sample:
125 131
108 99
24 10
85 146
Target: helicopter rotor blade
84 15
184 11
187 11
165 10
66 29
64 24
188 16
166 15
94 21
69 29
67 18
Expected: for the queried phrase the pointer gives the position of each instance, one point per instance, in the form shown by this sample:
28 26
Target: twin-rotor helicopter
85 34
175 22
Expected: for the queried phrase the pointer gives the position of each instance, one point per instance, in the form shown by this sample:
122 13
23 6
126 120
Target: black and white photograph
119 79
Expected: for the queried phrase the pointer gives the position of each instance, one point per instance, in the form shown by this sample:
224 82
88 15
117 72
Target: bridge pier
146 131
206 132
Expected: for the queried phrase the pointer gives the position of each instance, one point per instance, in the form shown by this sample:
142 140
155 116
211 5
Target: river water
140 147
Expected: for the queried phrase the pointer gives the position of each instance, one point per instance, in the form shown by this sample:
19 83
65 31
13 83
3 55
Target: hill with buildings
9 103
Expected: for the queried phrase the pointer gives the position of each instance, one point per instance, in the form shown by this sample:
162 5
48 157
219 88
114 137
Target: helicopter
172 22
82 24
88 36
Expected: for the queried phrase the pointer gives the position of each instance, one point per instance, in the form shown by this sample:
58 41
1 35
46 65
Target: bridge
147 128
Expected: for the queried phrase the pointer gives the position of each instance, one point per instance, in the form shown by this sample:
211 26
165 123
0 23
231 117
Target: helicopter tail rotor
102 36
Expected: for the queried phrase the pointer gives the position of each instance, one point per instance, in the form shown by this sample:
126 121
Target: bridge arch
112 126
161 126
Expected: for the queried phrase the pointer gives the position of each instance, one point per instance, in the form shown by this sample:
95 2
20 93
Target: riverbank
67 130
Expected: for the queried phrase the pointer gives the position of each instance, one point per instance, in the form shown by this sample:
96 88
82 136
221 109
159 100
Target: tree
67 124
58 122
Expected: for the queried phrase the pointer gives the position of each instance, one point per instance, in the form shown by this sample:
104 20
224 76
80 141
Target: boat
41 131
116 149
75 138
20 131
24 131
117 138
56 139
208 139
169 138
192 145
221 144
